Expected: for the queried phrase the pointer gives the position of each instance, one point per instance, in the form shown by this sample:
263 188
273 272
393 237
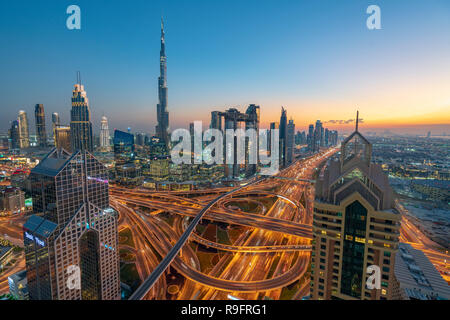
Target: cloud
343 121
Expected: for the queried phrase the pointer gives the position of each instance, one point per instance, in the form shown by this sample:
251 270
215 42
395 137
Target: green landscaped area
126 256
244 205
234 232
222 236
268 202
288 292
126 238
205 259
273 267
129 275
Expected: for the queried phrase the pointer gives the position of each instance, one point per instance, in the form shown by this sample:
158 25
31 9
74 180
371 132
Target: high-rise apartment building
273 126
62 138
310 138
290 142
283 137
14 135
24 133
41 133
127 171
55 122
162 114
355 225
318 136
72 228
104 134
80 120
233 119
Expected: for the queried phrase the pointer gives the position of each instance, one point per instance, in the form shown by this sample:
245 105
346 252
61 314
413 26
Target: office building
416 277
162 113
80 120
14 135
41 133
355 225
72 228
24 134
55 122
62 138
104 135
12 200
283 137
290 142
233 119
127 171
18 286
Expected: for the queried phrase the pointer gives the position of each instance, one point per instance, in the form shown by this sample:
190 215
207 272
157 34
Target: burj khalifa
162 128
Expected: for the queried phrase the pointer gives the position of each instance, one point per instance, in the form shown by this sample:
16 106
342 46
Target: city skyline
363 73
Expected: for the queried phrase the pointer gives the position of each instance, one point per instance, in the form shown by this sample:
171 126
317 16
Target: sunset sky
315 58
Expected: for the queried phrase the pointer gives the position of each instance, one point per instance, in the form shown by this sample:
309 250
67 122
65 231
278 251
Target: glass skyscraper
162 129
80 120
41 133
72 227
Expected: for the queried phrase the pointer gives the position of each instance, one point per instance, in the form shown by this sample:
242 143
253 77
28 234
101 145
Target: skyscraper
24 134
283 136
355 225
310 138
318 134
72 228
104 134
162 129
252 147
80 120
41 133
55 122
273 126
290 138
14 135
127 171
62 138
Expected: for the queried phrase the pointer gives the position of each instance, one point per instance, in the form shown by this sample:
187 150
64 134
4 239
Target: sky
316 58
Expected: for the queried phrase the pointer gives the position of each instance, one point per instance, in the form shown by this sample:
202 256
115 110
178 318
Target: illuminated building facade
80 120
127 171
62 138
162 114
104 134
72 227
355 225
24 133
41 133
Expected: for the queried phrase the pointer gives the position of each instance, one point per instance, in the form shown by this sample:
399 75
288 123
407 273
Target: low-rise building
18 287
416 277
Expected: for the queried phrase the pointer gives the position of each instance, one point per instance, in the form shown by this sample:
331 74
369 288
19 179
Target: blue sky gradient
316 58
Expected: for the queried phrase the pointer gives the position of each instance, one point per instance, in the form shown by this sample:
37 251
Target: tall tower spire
357 120
162 128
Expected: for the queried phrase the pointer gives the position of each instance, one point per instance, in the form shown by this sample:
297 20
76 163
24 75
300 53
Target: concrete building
80 120
24 133
18 286
12 200
41 133
104 135
416 277
355 226
62 138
